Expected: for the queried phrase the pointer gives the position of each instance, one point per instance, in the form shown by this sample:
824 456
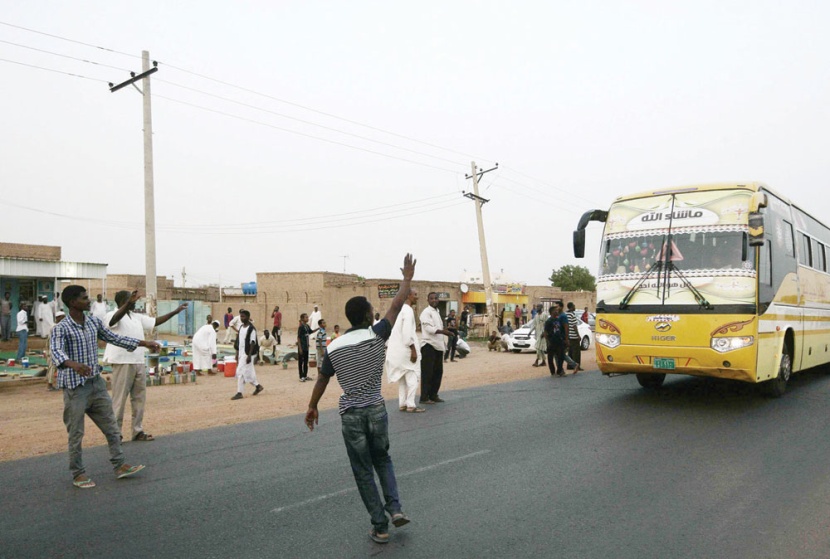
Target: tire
586 343
651 381
775 388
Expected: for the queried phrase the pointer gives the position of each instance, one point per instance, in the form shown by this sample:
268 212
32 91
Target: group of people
45 313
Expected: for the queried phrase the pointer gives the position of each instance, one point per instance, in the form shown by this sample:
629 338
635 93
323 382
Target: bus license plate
664 363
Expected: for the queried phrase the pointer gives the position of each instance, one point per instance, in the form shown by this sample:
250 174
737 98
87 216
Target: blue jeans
365 432
22 343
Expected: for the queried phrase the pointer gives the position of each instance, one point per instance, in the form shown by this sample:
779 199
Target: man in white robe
314 318
247 340
45 320
99 309
403 356
204 348
36 314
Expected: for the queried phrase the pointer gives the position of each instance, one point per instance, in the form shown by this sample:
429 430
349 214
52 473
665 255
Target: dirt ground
32 417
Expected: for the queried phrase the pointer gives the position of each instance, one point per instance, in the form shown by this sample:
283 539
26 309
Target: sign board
388 290
443 296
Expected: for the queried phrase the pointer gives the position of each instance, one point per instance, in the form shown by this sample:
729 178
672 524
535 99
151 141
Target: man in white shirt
247 350
99 309
22 332
204 348
432 351
232 330
128 374
403 356
267 346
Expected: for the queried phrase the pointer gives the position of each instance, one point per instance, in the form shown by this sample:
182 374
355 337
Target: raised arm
408 271
123 309
162 319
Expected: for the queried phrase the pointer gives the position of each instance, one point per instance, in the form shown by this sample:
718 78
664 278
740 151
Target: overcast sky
347 128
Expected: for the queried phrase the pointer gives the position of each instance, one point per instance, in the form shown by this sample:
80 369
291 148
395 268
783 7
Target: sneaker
259 388
309 378
399 519
237 396
378 536
302 379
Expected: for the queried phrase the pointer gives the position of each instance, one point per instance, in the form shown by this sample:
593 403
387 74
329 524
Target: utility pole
485 265
344 257
149 195
184 278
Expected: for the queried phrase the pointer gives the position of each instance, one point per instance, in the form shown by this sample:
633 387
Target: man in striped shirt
357 359
74 347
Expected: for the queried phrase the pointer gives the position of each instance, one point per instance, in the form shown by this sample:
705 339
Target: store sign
388 290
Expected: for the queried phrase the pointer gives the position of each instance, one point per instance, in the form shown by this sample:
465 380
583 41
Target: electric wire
229 100
52 70
64 55
260 123
68 40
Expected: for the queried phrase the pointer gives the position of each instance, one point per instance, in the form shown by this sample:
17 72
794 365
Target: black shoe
437 400
237 396
259 388
399 519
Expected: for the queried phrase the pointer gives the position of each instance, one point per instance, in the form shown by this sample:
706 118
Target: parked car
524 339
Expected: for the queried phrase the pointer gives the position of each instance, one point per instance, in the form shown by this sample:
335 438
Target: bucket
180 367
230 369
11 362
221 366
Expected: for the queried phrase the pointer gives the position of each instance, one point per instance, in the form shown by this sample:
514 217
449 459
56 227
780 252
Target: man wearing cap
128 375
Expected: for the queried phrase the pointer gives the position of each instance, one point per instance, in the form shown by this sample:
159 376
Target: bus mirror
579 243
758 201
756 229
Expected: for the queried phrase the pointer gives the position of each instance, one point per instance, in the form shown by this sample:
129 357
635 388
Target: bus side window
819 262
804 256
765 265
789 249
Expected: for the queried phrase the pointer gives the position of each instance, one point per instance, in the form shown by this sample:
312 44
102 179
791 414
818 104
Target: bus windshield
698 243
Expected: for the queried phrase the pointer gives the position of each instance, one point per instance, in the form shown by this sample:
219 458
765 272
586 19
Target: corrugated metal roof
30 268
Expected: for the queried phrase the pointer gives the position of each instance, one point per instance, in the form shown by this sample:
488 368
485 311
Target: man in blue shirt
357 358
556 334
74 347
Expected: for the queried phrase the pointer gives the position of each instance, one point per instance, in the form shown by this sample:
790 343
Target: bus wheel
586 343
777 386
651 380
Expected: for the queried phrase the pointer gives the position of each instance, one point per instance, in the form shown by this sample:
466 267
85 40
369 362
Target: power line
260 123
68 40
229 100
52 70
324 113
64 55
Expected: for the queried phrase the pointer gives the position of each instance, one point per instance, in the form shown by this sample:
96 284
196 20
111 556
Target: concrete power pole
149 196
485 264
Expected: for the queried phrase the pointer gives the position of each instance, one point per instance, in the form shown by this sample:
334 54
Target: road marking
404 474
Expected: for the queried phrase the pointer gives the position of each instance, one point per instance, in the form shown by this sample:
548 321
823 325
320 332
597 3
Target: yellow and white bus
724 280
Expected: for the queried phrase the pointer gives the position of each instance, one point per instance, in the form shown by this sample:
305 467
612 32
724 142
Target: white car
524 339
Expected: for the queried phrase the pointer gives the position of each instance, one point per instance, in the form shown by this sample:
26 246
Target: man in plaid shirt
74 346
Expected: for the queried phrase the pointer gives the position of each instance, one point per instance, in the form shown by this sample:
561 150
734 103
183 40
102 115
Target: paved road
575 467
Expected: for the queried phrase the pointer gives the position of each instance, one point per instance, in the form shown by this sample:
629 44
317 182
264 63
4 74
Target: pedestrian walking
357 359
556 332
276 331
247 348
74 346
574 346
539 319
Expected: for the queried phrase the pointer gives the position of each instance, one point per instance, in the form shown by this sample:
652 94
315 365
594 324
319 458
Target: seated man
494 342
267 347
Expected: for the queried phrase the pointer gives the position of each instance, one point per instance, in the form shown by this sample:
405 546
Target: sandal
399 519
142 436
126 471
83 483
402 408
415 410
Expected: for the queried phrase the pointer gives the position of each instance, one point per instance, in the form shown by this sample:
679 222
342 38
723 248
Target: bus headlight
722 345
608 340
